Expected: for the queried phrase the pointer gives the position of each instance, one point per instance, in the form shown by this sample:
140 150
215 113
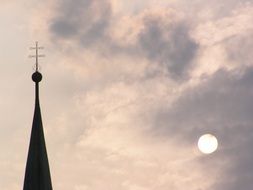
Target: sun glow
207 144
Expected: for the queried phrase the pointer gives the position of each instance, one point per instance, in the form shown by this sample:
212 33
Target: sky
128 88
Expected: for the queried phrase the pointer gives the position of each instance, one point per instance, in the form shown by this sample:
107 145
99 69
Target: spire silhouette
37 174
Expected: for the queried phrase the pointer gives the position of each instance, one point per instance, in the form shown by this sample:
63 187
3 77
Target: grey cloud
83 20
219 9
222 105
240 49
87 21
227 7
168 44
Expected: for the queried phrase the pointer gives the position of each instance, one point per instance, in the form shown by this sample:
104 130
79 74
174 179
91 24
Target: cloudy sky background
128 88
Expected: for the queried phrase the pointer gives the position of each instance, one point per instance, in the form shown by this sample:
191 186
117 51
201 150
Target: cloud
124 113
222 105
243 54
155 37
84 21
168 43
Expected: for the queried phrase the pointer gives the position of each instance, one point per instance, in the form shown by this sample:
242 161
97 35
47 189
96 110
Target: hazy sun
207 143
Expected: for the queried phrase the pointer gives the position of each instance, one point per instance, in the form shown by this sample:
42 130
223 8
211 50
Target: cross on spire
37 55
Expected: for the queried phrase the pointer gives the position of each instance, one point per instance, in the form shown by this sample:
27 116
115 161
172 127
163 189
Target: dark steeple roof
37 175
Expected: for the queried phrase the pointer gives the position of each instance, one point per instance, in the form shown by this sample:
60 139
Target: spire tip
37 55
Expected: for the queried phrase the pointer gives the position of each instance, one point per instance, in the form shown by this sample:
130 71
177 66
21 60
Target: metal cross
37 55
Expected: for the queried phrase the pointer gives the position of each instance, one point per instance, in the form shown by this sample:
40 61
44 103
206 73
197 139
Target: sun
207 143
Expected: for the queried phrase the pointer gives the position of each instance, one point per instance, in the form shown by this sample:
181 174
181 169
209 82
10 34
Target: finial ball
37 76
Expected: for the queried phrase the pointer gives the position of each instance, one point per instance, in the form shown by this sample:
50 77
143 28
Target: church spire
37 174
